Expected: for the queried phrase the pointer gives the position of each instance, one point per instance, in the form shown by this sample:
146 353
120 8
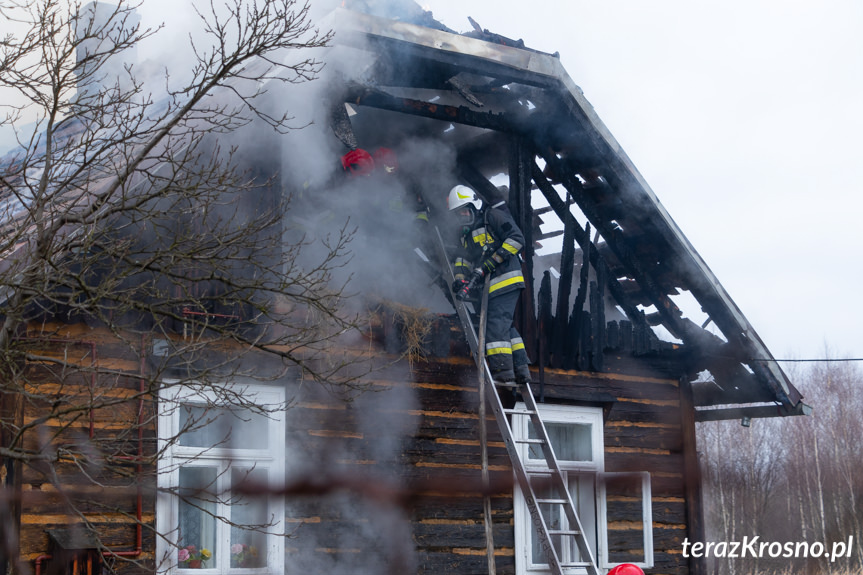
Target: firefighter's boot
500 365
522 373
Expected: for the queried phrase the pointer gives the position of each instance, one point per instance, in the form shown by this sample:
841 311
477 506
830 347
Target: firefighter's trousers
504 348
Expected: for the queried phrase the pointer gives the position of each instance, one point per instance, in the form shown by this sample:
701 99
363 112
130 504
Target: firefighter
626 569
387 163
358 163
491 242
383 163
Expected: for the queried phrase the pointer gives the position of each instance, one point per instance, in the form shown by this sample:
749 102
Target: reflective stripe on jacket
497 229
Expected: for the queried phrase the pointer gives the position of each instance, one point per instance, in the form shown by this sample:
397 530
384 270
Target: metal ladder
529 480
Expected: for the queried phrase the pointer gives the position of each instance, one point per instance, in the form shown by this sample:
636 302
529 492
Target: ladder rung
529 478
508 384
520 411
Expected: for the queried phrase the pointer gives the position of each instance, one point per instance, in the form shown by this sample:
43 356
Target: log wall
399 464
430 429
81 434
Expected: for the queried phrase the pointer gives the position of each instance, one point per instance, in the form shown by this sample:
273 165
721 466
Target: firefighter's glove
488 265
497 258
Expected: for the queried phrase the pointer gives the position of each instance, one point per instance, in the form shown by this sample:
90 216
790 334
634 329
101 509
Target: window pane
571 441
553 521
207 426
250 517
624 500
197 509
583 493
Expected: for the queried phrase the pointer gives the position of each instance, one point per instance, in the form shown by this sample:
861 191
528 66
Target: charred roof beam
376 98
582 238
751 412
681 327
578 126
691 269
670 312
462 53
712 348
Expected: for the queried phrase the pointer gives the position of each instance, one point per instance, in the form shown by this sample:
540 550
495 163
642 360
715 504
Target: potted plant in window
190 558
243 555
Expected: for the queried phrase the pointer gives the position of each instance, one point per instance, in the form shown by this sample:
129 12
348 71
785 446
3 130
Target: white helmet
461 195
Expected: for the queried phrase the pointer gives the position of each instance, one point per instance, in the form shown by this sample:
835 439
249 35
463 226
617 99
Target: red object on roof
358 162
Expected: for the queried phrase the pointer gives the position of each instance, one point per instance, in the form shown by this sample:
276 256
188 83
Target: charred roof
473 89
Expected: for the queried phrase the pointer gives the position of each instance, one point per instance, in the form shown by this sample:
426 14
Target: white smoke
364 536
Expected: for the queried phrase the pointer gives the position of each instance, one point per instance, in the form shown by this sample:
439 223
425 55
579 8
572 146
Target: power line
811 360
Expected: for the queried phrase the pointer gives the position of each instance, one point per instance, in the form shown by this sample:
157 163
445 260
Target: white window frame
591 474
646 517
174 456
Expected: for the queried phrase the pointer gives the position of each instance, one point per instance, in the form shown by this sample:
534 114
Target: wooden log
561 339
545 321
435 562
521 158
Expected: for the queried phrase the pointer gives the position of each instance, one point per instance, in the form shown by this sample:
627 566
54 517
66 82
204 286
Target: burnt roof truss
638 255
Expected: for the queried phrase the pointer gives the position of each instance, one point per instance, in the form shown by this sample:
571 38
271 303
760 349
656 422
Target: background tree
146 211
795 480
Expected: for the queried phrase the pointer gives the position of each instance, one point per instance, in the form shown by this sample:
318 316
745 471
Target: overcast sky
746 119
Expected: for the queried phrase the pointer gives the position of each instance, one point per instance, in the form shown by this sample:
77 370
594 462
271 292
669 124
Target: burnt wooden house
632 338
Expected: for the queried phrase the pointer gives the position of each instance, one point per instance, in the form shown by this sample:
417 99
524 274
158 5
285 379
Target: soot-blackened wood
450 427
486 190
520 205
438 562
642 437
582 236
366 96
434 451
694 510
668 563
116 536
545 323
583 352
436 535
562 341
626 335
668 537
444 400
641 389
612 335
440 507
624 251
595 344
102 499
575 319
668 512
638 412
599 341
12 412
665 464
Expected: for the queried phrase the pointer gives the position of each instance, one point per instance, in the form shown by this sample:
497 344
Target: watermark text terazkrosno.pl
754 547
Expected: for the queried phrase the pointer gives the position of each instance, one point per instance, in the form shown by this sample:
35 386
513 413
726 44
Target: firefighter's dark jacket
493 243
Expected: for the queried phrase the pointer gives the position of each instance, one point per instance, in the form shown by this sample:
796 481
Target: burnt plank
443 563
